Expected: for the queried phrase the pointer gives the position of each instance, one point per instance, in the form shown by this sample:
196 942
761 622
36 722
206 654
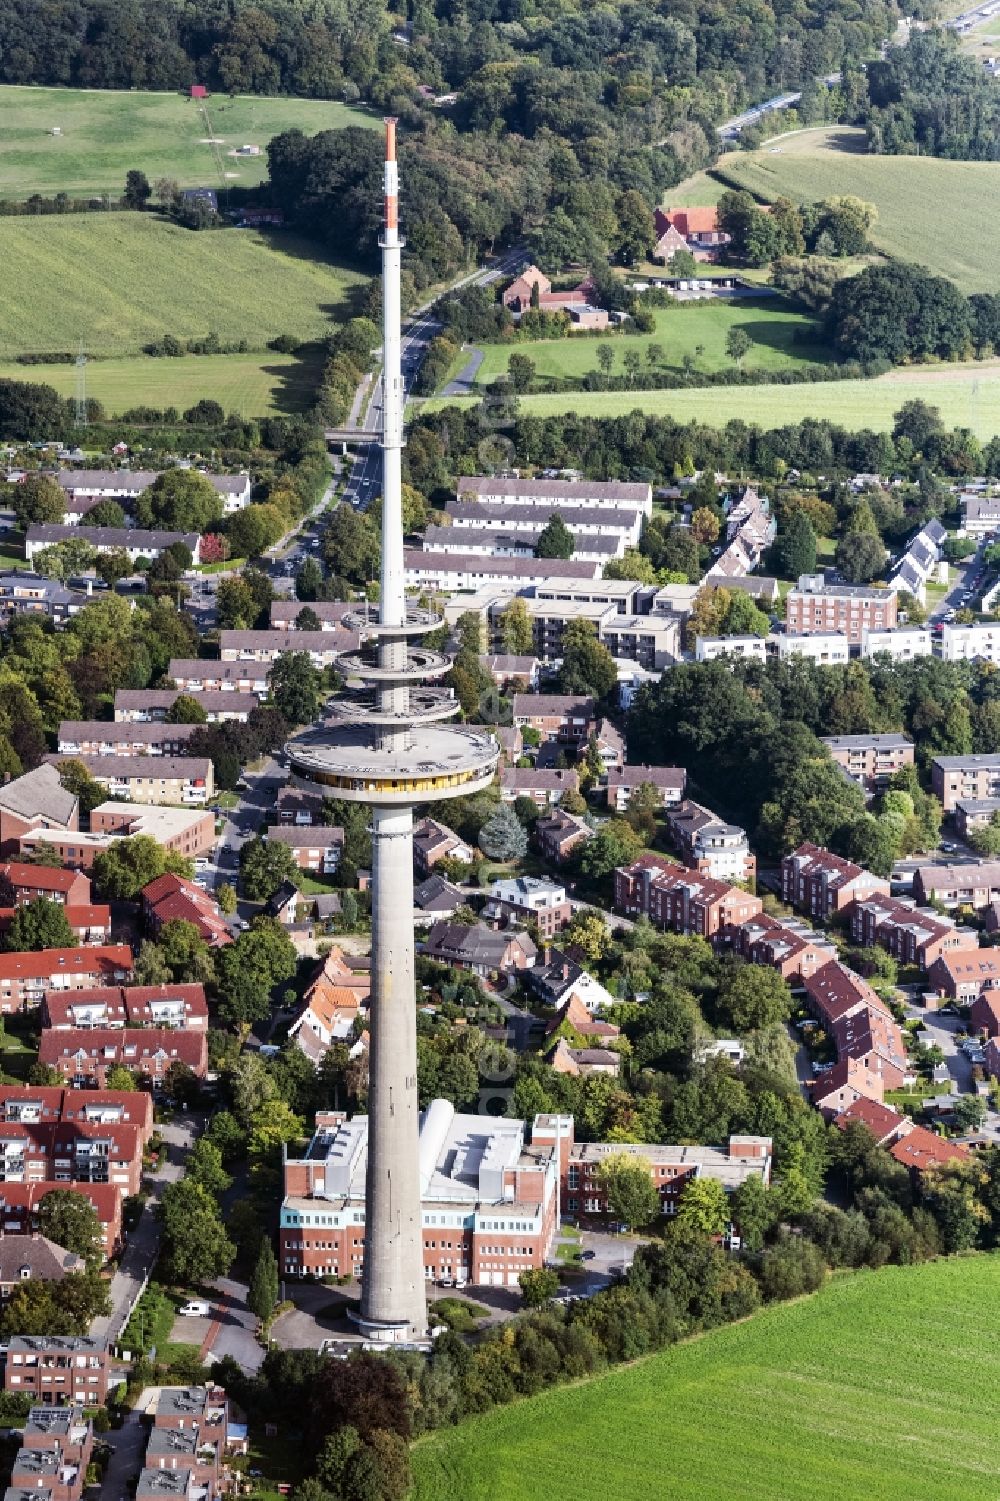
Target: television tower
383 744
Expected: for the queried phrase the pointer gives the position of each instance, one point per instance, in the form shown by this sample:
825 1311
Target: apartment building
708 844
681 900
24 978
542 786
975 884
35 801
975 813
669 782
329 612
488 1198
84 1055
849 609
68 1152
563 717
957 779
526 899
20 1204
980 514
468 571
510 671
303 809
62 1430
740 648
90 924
28 594
911 934
59 1369
152 705
828 649
560 495
189 831
818 882
968 643
858 1022
95 485
467 517
132 540
496 542
98 737
323 647
34 1104
21 883
313 849
784 944
870 759
904 644
671 1168
183 780
173 1005
968 976
485 951
198 675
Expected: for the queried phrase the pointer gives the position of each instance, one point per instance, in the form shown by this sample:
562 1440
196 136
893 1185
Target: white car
195 1310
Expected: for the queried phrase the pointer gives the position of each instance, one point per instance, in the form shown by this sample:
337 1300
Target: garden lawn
104 134
883 1387
252 384
783 336
912 194
966 395
119 281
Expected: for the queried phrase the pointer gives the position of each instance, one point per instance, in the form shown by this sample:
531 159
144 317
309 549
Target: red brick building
821 883
72 1152
911 935
173 1006
791 948
681 900
20 884
20 1203
171 898
57 1369
83 1055
24 978
815 608
34 1104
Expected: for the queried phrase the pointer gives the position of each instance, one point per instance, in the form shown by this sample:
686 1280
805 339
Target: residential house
526 899
20 1204
323 647
137 705
573 1013
486 951
509 671
315 849
959 778
174 1005
563 717
171 898
90 924
561 982
526 519
433 842
197 675
557 494
822 884
975 884
450 572
436 898
682 900
21 883
784 944
558 833
911 934
543 787
132 540
971 976
303 809
26 1258
697 227
849 1081
582 1061
99 737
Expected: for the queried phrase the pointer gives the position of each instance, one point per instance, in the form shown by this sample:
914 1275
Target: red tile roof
882 1122
97 958
40 877
921 1149
127 1045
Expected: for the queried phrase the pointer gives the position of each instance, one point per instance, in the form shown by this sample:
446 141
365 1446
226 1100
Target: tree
179 500
516 628
254 529
589 932
181 1084
307 620
615 843
107 513
38 498
264 866
521 369
860 557
63 559
121 1079
195 1246
555 539
250 968
226 898
705 526
502 836
538 1284
704 1206
752 996
122 870
262 1296
137 190
70 1219
751 1212
309 580
631 1193
587 665
796 547
185 953
738 343
186 709
294 686
39 924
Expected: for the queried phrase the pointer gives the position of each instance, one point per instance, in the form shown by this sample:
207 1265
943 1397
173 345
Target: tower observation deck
388 745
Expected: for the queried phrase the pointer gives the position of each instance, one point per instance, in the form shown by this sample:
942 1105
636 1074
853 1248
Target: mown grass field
941 214
783 336
105 133
967 396
255 385
117 281
883 1387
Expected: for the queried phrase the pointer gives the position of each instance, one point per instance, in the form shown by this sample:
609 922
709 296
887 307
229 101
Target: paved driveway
128 1446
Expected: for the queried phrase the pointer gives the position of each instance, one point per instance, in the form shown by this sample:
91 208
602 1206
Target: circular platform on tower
437 761
366 620
419 664
425 706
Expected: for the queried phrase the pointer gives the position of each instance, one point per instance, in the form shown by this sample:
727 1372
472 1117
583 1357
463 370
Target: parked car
196 1309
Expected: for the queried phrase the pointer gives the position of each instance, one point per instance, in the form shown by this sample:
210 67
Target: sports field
783 336
967 396
117 281
883 1387
915 196
252 384
105 133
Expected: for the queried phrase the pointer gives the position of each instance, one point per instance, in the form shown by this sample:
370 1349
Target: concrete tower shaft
386 747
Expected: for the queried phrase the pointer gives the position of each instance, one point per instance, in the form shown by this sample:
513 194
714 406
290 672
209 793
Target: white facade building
969 643
708 648
902 645
827 647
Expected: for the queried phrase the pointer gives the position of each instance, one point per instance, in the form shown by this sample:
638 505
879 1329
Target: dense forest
928 97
